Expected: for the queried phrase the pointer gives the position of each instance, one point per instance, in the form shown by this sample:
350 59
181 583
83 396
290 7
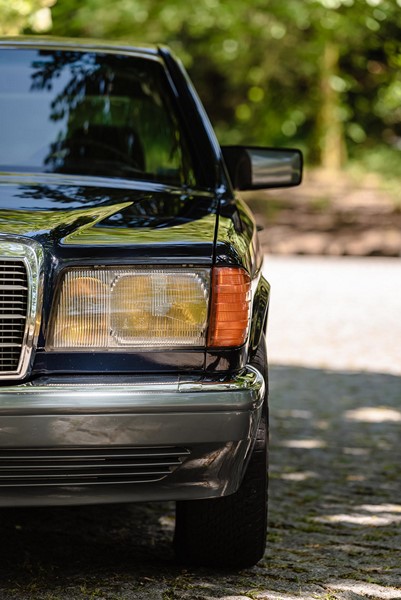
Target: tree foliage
323 74
16 15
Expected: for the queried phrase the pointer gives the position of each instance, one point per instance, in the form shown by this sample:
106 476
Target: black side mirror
254 168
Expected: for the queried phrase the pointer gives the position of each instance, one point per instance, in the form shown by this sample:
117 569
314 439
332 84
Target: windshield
91 114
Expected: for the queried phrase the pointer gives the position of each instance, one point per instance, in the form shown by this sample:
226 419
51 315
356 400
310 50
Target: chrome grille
13 312
21 287
82 466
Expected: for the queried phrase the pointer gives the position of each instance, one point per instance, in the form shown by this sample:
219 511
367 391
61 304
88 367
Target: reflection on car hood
77 212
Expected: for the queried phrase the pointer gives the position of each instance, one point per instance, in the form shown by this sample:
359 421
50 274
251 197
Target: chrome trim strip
240 394
31 253
249 378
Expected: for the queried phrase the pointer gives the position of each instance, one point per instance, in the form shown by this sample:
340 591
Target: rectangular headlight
122 308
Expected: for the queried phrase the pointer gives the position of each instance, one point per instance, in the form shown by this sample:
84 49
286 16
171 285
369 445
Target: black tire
230 532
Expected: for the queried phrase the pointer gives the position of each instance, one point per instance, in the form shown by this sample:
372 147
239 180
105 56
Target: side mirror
253 168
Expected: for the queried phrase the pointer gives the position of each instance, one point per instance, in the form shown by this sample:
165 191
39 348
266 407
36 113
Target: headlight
113 308
117 308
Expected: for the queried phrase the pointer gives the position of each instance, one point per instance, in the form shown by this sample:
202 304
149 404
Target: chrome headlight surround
126 308
31 254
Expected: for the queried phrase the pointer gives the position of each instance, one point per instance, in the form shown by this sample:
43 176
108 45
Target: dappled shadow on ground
70 541
77 552
335 482
335 513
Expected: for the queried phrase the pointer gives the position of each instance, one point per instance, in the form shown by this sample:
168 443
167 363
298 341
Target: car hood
69 215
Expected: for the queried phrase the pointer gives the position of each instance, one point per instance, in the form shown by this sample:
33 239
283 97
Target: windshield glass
90 114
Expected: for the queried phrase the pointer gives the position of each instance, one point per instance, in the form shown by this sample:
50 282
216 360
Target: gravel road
335 515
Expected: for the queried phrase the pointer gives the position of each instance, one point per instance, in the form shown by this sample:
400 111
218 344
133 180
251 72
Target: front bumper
85 440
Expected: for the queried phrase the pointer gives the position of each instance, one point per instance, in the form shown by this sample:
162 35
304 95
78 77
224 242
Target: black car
133 307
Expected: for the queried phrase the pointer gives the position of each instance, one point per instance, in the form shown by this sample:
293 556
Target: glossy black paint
98 221
255 168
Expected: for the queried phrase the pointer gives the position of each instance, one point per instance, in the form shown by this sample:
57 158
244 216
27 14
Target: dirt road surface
335 506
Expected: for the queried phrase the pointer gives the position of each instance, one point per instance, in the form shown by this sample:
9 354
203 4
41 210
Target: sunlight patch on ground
381 508
295 414
322 424
368 590
335 313
167 522
299 476
306 594
282 596
357 451
305 444
378 520
234 598
356 478
374 414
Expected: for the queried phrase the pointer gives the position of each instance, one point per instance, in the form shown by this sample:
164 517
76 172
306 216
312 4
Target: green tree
323 74
17 15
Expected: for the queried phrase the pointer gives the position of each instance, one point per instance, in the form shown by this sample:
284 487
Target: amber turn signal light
230 307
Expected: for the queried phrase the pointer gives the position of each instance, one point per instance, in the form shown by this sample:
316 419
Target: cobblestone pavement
335 511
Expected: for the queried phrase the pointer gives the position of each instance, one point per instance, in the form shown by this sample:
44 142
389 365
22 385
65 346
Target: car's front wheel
230 531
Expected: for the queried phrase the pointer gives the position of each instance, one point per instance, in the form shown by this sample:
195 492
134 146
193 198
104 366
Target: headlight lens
116 308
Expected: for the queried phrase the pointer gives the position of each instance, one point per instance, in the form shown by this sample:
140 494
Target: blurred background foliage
323 75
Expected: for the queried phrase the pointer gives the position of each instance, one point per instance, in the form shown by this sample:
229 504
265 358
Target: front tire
230 531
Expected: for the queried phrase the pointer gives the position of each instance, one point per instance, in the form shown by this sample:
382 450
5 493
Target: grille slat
13 312
7 276
94 466
13 302
5 284
11 345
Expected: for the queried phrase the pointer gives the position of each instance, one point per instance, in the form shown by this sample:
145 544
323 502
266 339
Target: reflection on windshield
90 114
